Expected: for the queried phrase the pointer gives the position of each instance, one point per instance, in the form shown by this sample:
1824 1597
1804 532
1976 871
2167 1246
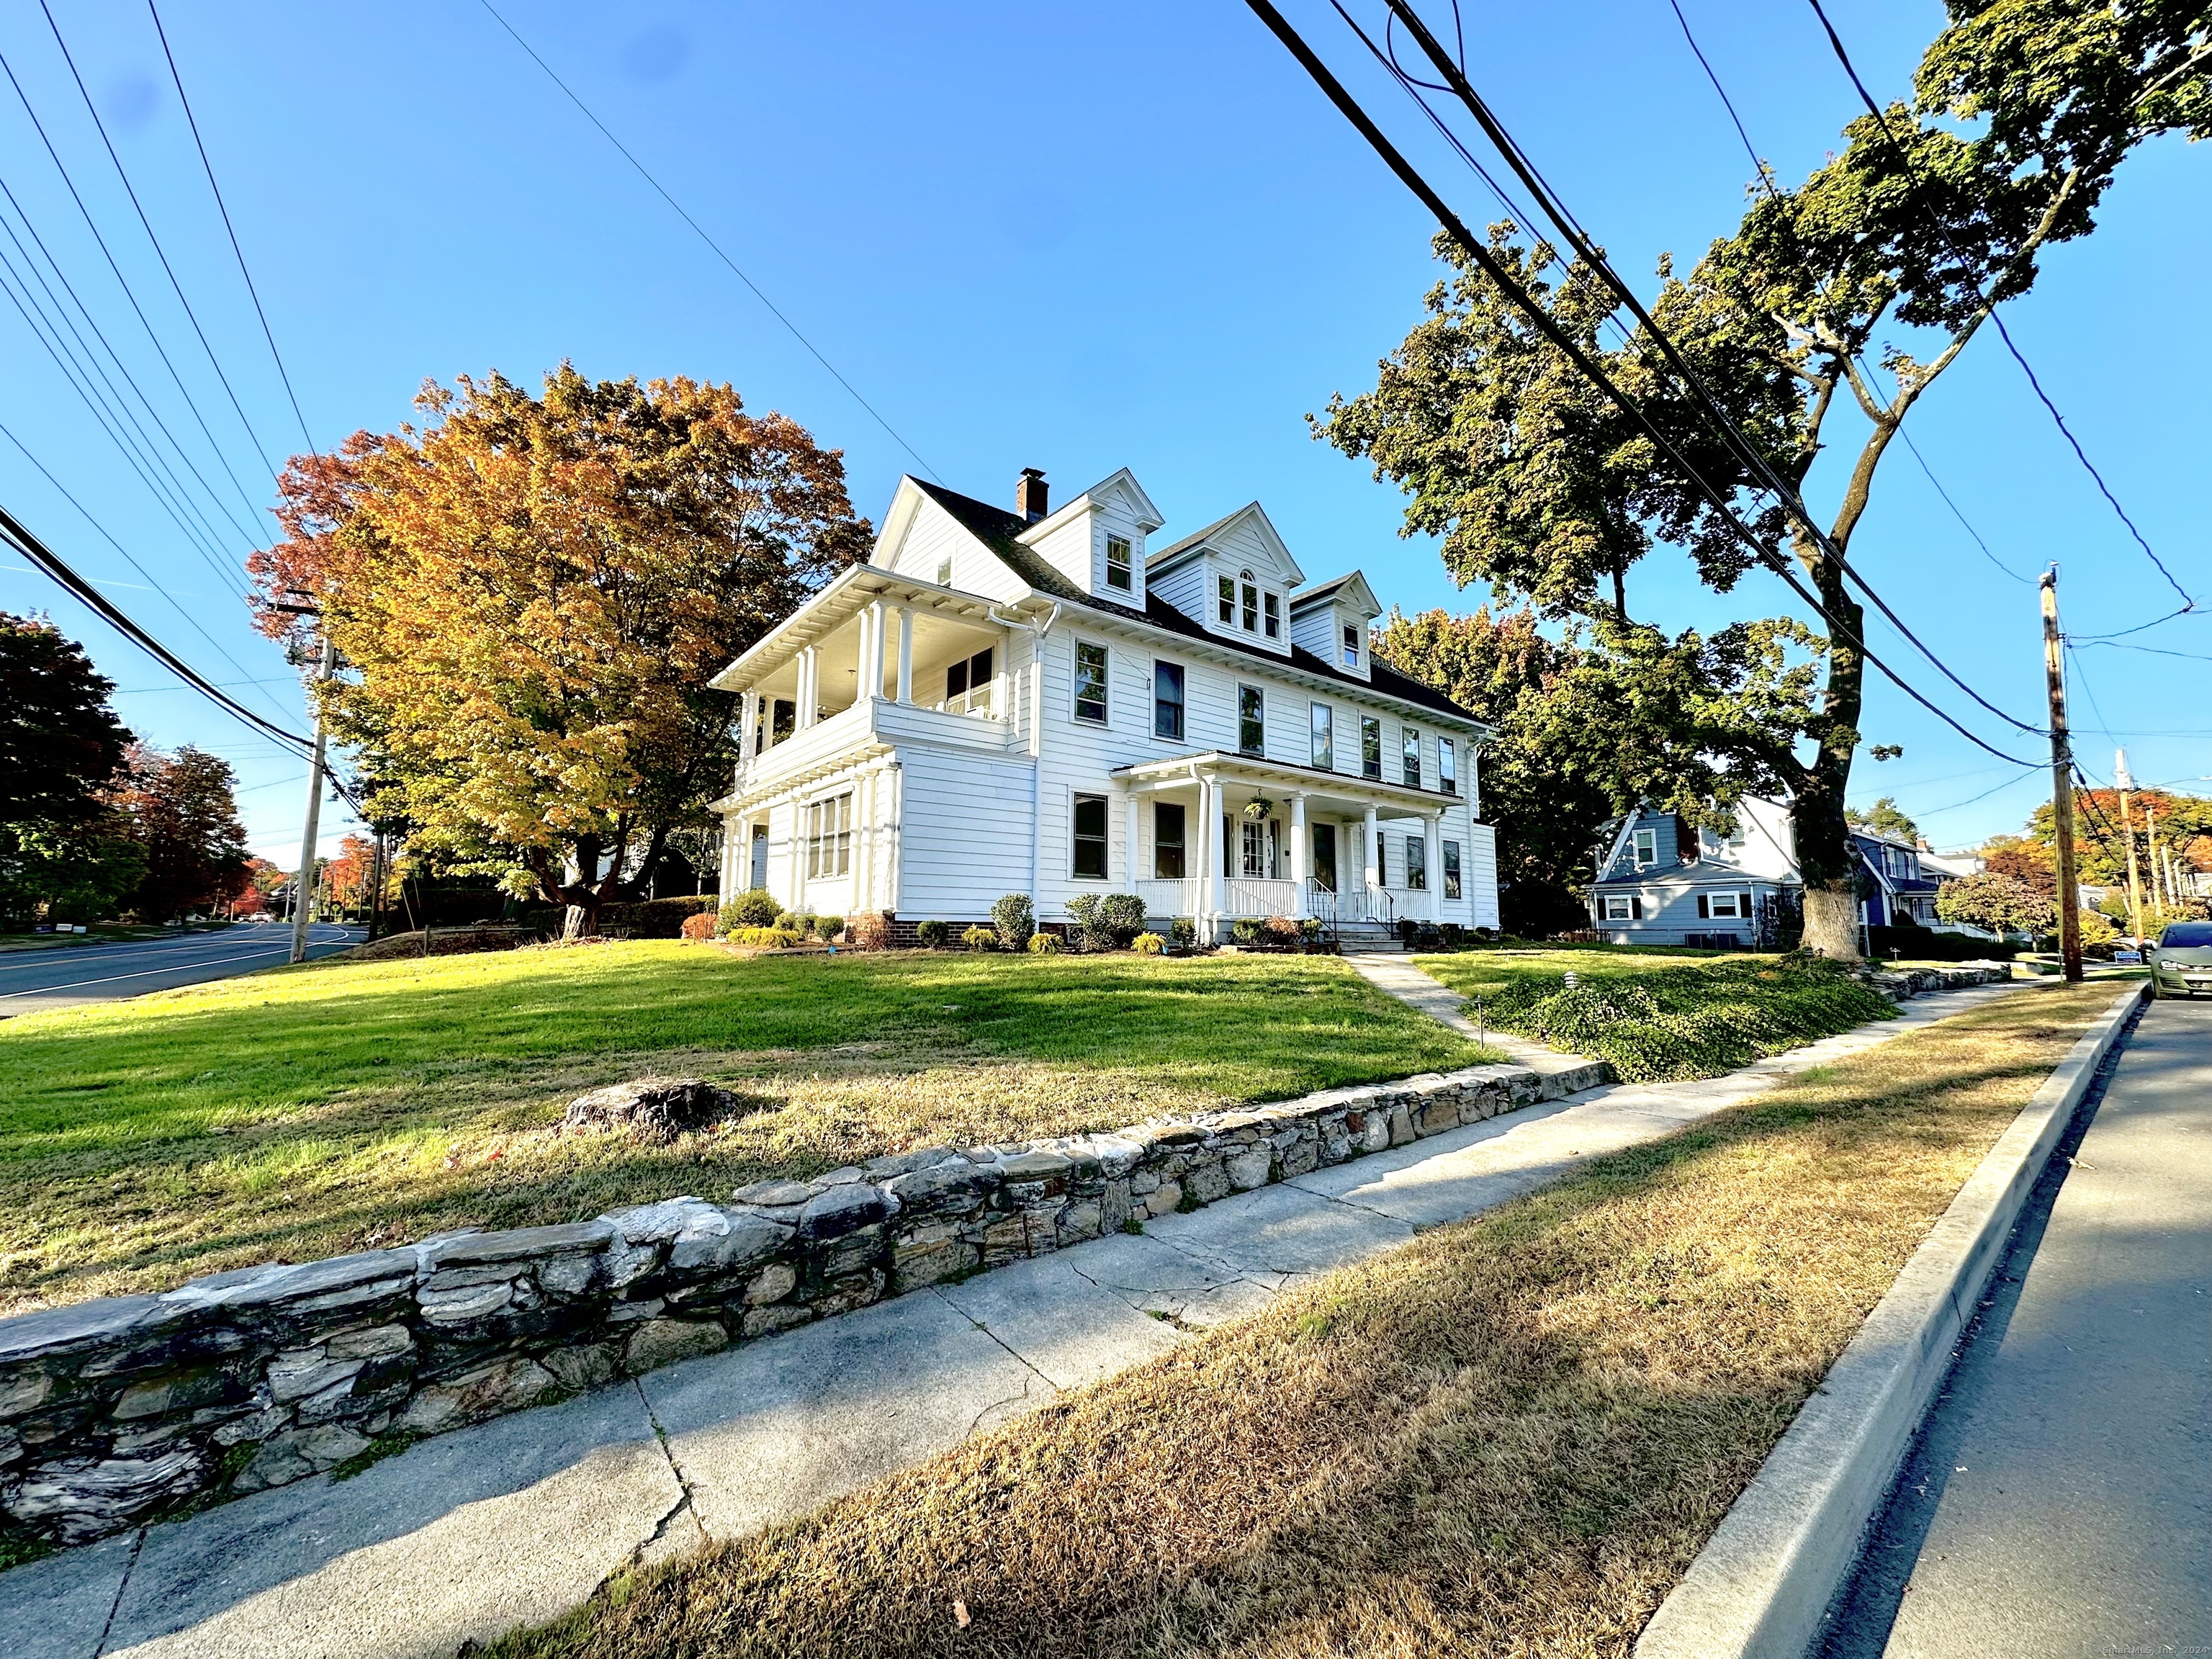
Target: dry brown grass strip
1509 1437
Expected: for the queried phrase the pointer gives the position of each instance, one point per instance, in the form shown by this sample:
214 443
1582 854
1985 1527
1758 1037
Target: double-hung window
1251 719
968 685
1089 863
1251 604
1623 907
1091 682
1409 745
1350 646
1446 766
1451 870
829 837
1324 740
1647 849
1371 747
1273 605
1416 863
1167 833
1228 600
1167 701
1117 562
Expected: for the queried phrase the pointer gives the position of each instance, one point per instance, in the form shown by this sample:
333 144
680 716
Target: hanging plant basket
1260 808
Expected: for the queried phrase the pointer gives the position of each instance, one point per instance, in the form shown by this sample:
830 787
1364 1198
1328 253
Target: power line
2021 776
230 229
701 231
1746 454
1544 324
2080 454
122 282
1766 181
160 253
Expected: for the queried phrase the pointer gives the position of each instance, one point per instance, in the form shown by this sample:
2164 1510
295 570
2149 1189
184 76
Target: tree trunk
1831 921
1826 859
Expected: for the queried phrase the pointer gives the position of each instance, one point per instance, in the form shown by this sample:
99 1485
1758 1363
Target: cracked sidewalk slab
58 1608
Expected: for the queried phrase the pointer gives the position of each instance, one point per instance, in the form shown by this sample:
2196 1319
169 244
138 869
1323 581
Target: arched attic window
1251 595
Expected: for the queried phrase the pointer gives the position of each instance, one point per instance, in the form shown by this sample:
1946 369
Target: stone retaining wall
115 1412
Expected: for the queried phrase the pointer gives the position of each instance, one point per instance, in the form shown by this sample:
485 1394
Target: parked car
2181 961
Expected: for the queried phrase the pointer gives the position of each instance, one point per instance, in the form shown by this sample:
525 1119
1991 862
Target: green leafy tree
1997 904
61 852
1926 219
1884 817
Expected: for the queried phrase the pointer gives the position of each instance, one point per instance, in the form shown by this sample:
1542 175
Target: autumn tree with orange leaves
528 595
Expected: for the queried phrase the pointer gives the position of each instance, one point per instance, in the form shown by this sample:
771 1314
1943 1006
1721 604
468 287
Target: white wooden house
1044 702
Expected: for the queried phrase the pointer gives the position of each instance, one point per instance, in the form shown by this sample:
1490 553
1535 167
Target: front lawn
339 1106
1510 1436
1658 1016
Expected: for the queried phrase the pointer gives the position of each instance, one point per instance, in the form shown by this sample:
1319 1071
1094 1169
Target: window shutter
1743 905
1636 908
1705 907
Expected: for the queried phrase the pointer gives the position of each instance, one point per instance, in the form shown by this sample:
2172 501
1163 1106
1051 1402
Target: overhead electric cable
1543 323
1835 40
160 253
92 225
1747 453
229 229
1766 181
701 231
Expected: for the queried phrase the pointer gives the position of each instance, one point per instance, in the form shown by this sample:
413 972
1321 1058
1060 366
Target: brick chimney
1030 495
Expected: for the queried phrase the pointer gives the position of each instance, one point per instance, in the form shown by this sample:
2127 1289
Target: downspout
1036 735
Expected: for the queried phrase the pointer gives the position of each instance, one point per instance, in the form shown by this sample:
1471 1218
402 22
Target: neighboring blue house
1664 881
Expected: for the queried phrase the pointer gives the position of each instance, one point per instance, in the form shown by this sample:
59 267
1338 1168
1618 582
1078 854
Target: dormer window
1251 603
1350 646
1273 605
1117 562
1228 601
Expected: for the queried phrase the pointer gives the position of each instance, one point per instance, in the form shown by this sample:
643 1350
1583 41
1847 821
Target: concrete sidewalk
2059 1502
517 1519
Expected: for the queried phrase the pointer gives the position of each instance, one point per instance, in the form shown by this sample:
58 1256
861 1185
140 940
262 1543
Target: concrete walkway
2060 1500
1396 976
517 1519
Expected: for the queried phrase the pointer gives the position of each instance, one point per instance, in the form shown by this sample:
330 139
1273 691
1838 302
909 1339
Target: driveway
2059 1502
66 976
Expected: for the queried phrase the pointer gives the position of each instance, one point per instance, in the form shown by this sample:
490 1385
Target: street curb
1761 1584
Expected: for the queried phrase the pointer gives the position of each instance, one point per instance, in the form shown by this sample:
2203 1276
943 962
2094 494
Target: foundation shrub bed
1697 1019
655 918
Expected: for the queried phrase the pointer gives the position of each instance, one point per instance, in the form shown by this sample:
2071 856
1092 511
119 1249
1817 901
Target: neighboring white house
1043 702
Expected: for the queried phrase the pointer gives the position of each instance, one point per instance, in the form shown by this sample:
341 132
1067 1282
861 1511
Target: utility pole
2159 901
2124 783
300 906
2062 784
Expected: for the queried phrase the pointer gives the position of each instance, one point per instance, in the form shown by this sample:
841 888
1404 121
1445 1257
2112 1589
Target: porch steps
1370 938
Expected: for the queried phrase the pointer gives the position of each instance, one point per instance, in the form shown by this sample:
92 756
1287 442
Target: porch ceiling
836 607
1287 777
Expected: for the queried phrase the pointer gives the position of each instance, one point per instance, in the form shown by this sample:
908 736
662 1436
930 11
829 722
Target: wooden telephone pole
2062 784
2126 784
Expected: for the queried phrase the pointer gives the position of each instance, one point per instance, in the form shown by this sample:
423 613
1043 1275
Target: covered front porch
1222 838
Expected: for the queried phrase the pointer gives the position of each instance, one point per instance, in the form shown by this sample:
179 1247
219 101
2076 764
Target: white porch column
906 654
1209 807
1131 818
748 724
864 805
808 661
1373 853
872 657
1432 862
1301 855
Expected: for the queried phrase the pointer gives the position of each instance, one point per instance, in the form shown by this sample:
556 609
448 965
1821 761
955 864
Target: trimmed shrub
1107 921
930 935
1043 945
980 937
1245 933
829 927
1015 921
700 926
1281 932
655 918
752 908
1148 944
1408 930
1183 932
780 939
871 930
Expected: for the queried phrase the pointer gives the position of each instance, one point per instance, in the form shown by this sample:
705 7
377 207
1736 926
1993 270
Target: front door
1324 857
759 873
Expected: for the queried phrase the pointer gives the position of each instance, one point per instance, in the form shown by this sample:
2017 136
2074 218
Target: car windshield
2186 936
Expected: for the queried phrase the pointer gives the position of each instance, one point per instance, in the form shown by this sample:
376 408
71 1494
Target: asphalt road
65 976
2059 1501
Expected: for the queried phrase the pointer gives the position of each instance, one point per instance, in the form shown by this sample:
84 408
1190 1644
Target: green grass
1656 1016
306 1112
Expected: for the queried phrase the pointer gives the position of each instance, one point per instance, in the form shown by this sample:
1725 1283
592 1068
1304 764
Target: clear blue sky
1074 238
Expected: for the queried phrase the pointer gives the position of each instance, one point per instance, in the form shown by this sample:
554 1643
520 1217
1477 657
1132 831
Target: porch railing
1354 904
1186 898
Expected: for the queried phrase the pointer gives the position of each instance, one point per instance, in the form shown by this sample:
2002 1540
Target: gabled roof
1264 526
1362 597
1000 531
